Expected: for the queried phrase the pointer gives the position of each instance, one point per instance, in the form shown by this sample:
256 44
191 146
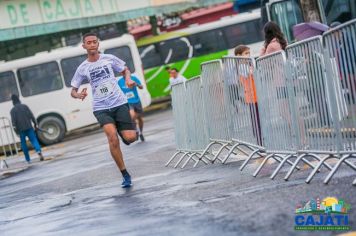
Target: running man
109 102
134 101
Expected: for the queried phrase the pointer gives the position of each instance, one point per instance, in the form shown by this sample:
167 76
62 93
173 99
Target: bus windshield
287 13
339 10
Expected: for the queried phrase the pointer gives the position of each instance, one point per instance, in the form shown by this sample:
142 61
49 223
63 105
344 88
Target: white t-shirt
100 74
179 79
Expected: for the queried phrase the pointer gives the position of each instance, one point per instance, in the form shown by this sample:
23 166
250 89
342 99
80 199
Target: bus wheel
51 130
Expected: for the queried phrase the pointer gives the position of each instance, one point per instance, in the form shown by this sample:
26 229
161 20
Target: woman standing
274 39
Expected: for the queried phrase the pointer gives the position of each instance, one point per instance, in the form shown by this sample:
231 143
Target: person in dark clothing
21 117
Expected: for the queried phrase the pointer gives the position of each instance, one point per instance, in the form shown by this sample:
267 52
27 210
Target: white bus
43 83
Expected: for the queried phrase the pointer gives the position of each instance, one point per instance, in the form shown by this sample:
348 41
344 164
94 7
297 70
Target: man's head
91 43
15 99
173 72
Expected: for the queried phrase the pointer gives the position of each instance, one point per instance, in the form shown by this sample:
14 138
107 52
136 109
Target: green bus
186 49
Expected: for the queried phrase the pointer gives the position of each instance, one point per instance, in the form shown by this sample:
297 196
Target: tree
310 10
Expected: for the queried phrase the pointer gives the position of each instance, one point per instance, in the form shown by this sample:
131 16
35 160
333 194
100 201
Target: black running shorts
119 116
137 107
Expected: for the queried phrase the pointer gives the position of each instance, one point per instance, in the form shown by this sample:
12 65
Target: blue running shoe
126 182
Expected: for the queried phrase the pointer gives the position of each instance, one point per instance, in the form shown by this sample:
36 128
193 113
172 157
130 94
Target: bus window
150 56
174 50
244 33
39 79
7 86
207 42
286 14
69 66
124 53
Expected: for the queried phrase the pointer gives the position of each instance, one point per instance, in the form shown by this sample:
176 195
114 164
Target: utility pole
153 22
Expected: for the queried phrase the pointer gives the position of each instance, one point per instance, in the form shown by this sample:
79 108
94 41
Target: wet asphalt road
79 193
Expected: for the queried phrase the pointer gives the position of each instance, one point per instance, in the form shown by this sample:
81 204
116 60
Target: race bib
103 90
130 95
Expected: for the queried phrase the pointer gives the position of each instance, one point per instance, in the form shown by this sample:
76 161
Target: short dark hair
240 49
89 34
175 69
15 99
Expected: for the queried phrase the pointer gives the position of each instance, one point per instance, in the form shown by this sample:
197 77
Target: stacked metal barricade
293 106
7 142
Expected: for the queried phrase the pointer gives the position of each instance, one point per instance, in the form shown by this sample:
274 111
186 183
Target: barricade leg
310 177
216 156
250 157
301 157
285 159
264 162
274 156
172 158
235 146
191 157
343 159
181 159
354 183
206 151
294 165
2 164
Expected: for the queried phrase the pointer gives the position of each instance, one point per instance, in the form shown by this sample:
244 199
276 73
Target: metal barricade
242 108
276 113
190 129
180 121
312 103
198 133
340 59
8 141
214 104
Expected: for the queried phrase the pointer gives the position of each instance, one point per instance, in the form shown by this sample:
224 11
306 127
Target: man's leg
139 113
114 145
140 122
35 143
140 125
24 146
130 136
126 127
115 150
133 117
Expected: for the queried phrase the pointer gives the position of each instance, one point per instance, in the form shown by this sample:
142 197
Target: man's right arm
74 93
75 83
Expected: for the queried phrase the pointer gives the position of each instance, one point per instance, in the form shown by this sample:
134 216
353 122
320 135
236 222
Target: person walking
21 117
136 110
109 103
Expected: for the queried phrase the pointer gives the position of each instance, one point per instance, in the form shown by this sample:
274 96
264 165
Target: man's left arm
119 66
32 117
127 75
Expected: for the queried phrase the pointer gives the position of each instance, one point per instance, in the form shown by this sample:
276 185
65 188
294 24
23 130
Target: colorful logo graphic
327 214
